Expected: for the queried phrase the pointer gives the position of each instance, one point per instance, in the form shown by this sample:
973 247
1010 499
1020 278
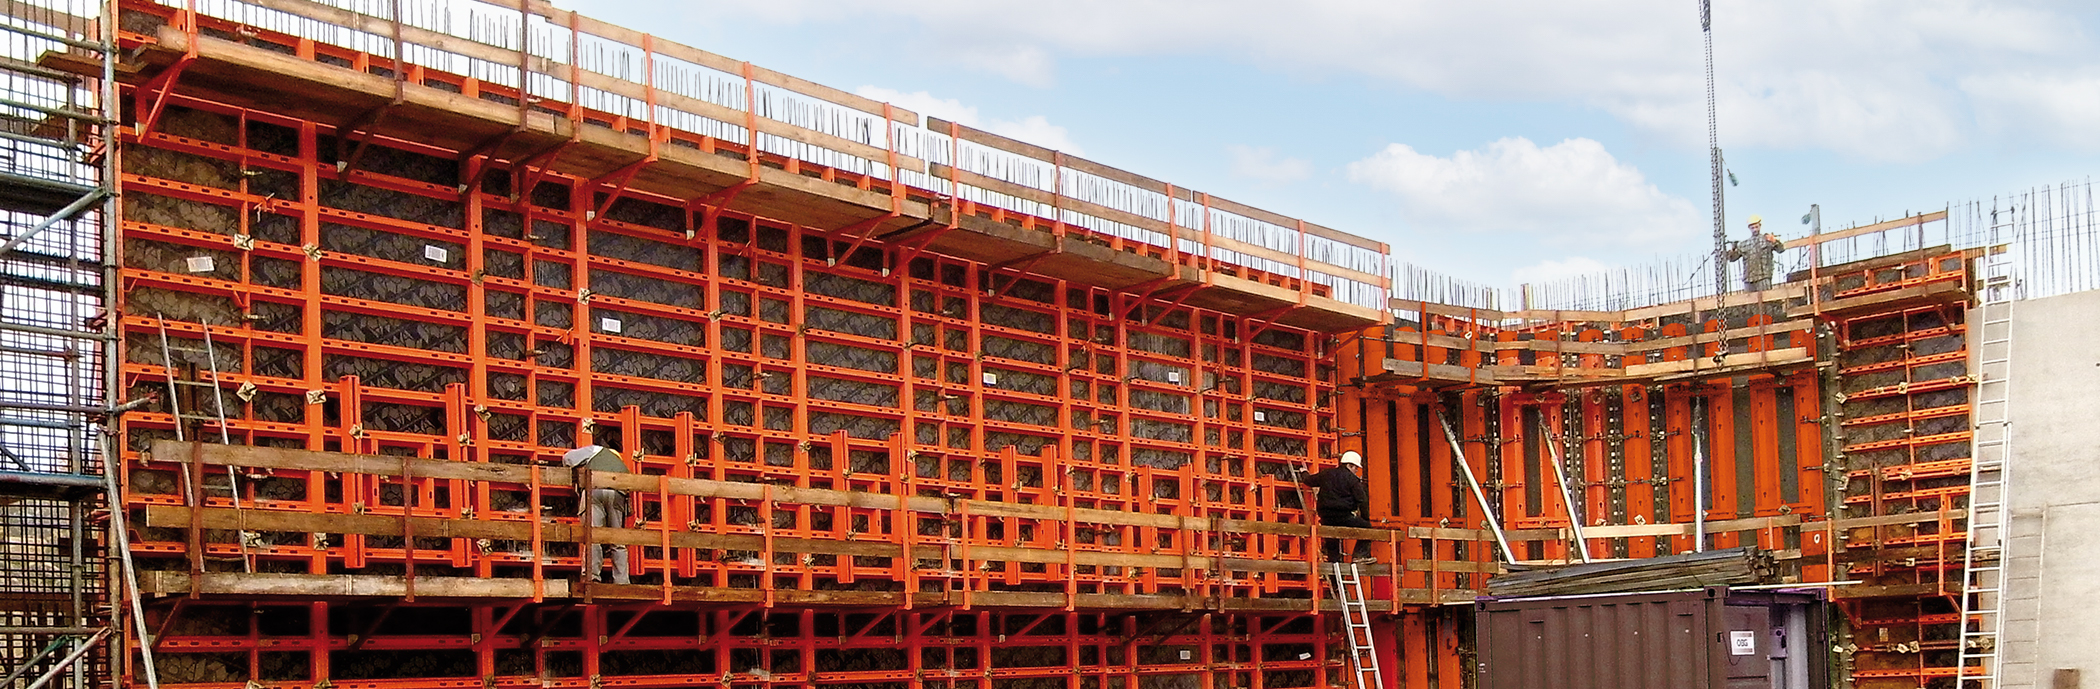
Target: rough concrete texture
2053 553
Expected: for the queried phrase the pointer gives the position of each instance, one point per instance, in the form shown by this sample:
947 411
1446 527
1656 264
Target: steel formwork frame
1905 389
527 644
1626 450
957 450
809 359
792 357
1853 470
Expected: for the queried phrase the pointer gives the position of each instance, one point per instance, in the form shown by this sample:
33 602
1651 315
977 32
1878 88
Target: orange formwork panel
1627 448
1903 387
409 299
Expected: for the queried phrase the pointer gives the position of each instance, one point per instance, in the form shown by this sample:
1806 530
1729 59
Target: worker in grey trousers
604 507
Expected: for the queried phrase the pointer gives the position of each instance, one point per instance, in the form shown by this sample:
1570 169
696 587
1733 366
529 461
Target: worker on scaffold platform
1341 497
1758 254
604 507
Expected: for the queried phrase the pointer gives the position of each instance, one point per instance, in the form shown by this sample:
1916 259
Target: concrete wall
2053 553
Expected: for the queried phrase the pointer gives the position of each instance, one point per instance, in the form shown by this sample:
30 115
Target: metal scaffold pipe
1458 455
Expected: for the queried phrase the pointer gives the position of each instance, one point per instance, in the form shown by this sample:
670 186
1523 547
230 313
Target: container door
1746 643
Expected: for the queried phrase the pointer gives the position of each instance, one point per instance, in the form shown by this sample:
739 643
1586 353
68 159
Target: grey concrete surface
2052 555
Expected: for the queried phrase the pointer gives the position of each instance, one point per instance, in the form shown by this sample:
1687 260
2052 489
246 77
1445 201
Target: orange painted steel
1627 447
710 344
1906 397
552 309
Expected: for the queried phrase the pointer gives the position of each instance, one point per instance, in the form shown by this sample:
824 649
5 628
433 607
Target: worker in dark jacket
1343 496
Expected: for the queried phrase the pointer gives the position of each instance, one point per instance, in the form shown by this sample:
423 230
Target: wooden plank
603 82
1780 328
1783 293
1893 519
633 38
1945 291
1454 566
307 586
1025 149
1435 309
1083 207
1706 365
1851 232
386 465
1070 162
165 582
438 527
1289 223
1442 372
1884 591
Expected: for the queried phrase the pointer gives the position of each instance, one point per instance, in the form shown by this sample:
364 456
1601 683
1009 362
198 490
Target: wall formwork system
868 453
909 406
1831 412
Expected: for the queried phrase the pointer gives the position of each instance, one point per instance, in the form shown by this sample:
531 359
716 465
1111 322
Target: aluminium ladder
1983 560
1356 620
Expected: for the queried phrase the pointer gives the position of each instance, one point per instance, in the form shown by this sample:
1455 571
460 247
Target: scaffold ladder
1356 620
1983 561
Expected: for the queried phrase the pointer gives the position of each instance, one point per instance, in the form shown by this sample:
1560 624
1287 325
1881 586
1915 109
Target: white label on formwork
611 325
436 253
1174 377
1185 655
991 378
1742 643
1261 416
200 264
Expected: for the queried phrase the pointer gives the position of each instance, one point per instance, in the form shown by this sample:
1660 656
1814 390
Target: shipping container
1707 638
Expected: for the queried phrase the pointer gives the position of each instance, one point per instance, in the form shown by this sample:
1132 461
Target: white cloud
1034 129
1262 164
1880 80
1550 270
1572 195
2062 107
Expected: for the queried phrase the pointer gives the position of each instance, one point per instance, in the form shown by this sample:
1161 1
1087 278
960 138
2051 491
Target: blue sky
1498 140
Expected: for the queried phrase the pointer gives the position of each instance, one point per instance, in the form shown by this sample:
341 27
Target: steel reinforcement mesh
382 310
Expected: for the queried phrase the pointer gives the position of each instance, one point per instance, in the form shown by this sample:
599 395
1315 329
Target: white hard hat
1352 457
580 455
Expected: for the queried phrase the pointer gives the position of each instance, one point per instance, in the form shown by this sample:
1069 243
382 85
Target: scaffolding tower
56 341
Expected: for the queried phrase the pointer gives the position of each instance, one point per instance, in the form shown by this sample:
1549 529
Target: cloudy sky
1497 140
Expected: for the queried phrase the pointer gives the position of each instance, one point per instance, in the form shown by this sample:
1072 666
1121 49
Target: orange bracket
163 85
1268 320
535 167
618 179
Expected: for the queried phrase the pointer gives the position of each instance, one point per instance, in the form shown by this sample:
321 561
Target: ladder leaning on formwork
1983 562
1356 622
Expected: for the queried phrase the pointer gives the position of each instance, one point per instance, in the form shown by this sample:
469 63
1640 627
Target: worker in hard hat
1341 499
1757 254
604 507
